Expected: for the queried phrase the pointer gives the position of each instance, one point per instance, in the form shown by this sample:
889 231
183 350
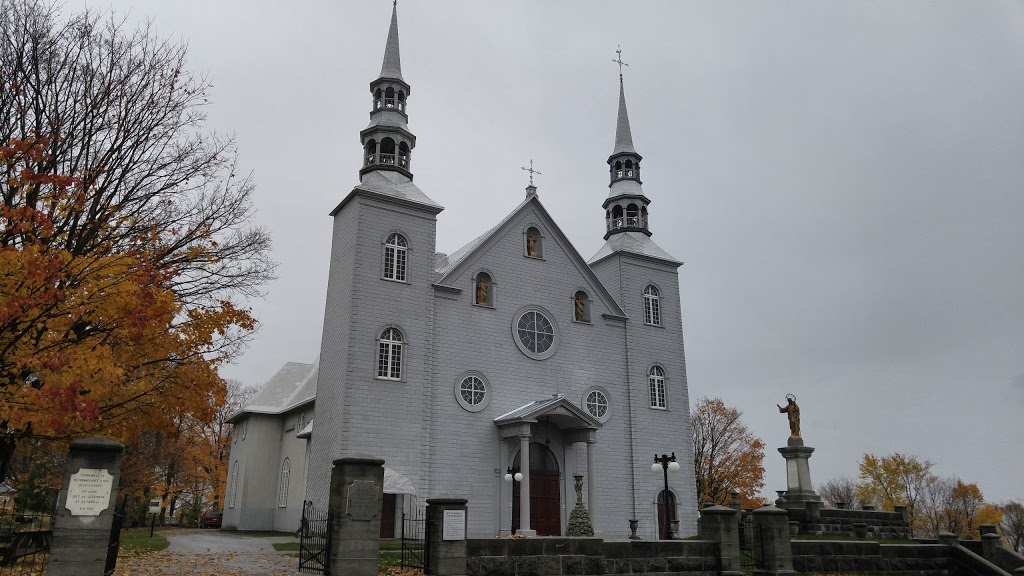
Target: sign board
363 502
454 525
89 492
154 506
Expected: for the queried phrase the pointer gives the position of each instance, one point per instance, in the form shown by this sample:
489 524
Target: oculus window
535 333
595 401
471 390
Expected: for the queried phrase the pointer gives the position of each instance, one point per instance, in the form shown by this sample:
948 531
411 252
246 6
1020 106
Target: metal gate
314 540
414 536
752 546
24 540
114 544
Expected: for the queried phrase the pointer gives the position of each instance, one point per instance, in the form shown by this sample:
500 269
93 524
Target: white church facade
451 367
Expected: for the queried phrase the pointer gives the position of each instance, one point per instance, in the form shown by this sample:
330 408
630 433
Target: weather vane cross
530 170
619 59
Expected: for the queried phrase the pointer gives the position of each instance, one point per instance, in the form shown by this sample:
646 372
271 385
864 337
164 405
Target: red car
211 519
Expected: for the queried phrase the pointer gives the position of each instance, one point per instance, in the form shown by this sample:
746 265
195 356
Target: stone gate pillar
719 524
357 488
771 541
85 508
446 536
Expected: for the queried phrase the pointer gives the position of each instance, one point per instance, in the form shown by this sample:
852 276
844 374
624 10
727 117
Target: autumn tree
844 490
952 505
1012 525
727 457
125 239
894 480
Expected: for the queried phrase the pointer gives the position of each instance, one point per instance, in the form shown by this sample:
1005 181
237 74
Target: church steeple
387 141
626 205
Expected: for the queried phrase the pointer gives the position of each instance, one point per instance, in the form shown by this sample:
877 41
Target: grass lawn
138 539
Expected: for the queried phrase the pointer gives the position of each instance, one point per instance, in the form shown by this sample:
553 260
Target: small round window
471 392
595 401
535 332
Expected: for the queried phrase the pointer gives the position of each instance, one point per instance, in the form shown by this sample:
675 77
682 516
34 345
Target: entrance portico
536 421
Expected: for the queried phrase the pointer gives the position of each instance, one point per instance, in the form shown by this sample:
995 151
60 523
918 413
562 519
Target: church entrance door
545 493
387 516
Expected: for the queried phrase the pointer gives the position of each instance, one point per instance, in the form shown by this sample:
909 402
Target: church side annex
512 345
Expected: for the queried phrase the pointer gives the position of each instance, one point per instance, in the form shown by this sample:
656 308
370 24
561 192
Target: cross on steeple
618 60
531 171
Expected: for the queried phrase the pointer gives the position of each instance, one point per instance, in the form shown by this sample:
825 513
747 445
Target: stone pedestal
771 527
446 536
81 528
989 543
357 488
720 524
799 490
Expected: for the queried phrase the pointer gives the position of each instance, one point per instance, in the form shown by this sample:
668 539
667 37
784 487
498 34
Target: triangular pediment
467 258
569 415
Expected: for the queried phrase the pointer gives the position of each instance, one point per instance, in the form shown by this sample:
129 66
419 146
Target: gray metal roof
392 66
623 135
445 265
534 410
625 188
634 243
293 385
390 183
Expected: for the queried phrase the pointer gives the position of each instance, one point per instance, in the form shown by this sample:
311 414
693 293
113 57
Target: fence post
85 508
718 523
357 488
446 536
771 536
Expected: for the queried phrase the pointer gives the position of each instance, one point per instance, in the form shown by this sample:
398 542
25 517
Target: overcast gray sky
844 180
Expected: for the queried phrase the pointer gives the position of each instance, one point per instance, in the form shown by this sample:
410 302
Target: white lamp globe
508 477
519 476
655 467
673 466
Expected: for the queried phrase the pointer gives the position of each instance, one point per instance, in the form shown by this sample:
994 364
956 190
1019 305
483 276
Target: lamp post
666 463
510 475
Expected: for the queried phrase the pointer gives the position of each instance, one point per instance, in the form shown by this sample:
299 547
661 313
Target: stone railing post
948 539
446 536
85 508
903 512
771 538
357 488
719 524
989 542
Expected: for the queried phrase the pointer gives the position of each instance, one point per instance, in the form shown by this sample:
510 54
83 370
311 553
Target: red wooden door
545 493
387 516
661 512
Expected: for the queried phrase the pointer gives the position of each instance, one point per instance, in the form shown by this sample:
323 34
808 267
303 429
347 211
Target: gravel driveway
211 553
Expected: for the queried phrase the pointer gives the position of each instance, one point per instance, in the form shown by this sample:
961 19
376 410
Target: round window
535 334
595 401
471 392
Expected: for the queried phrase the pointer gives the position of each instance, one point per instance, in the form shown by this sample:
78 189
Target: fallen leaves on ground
166 563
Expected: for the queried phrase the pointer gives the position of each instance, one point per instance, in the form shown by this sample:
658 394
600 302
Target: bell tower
387 141
626 205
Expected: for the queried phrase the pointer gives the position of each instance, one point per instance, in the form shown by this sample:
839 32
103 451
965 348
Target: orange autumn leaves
728 457
96 342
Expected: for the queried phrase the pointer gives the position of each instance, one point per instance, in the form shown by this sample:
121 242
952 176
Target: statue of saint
481 290
792 411
580 306
531 244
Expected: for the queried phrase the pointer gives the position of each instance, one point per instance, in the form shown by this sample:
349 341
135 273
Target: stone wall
866 556
590 556
1007 559
836 522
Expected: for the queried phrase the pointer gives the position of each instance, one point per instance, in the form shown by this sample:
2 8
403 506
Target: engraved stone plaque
454 525
362 502
89 492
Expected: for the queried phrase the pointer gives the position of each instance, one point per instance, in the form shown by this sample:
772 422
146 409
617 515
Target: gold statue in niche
581 306
481 290
531 244
792 411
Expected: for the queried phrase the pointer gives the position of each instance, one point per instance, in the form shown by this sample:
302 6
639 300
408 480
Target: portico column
592 483
524 486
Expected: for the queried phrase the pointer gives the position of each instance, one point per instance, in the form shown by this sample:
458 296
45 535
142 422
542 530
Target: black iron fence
314 540
414 537
24 540
114 544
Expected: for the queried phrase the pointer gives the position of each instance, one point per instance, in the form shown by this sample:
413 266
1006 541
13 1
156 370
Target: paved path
211 553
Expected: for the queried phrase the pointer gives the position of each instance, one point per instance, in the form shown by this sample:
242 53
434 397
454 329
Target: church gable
528 253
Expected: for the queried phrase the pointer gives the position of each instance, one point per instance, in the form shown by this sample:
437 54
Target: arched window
389 98
629 169
581 306
643 217
370 153
632 216
652 306
403 155
618 168
387 152
483 290
534 243
233 488
401 100
389 354
286 473
377 99
395 257
656 378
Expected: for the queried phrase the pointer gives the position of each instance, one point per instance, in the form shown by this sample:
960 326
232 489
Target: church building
512 354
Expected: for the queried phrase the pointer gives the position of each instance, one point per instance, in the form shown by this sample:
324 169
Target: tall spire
623 136
392 66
